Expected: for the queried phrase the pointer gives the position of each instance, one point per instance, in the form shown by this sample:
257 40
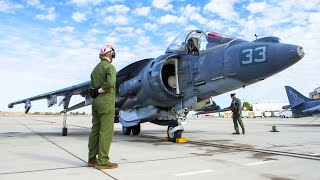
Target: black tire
116 118
64 131
136 129
126 130
173 137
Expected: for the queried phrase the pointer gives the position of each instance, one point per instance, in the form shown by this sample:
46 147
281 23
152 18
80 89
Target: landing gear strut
64 128
175 128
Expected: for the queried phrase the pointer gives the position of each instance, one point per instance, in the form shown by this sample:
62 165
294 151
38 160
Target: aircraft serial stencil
196 66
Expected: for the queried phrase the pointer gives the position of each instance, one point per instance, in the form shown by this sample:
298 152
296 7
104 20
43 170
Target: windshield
178 44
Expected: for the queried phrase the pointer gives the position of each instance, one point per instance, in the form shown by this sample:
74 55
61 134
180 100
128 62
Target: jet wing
81 89
313 109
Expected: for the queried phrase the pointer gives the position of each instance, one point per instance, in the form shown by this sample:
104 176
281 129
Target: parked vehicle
245 114
267 114
285 114
257 114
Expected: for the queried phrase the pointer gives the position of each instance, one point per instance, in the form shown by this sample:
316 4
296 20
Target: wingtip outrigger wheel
65 128
64 131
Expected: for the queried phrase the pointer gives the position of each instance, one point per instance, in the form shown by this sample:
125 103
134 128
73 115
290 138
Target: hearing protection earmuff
113 53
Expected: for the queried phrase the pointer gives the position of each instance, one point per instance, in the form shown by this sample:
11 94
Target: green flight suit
236 109
103 110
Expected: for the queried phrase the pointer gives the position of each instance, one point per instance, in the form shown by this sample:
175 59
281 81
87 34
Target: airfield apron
236 114
103 110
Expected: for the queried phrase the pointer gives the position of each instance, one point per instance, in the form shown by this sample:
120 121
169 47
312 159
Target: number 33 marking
259 51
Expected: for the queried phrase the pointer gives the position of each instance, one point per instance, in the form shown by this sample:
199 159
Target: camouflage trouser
237 119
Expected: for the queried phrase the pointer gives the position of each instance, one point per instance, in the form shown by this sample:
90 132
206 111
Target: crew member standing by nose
236 113
102 90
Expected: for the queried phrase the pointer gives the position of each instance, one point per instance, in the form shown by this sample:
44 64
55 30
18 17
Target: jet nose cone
296 52
300 51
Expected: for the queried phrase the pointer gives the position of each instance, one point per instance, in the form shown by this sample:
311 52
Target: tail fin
295 98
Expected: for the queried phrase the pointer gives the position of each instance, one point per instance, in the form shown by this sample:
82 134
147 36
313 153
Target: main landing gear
134 129
175 128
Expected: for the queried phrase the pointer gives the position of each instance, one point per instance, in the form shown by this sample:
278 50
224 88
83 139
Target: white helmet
106 49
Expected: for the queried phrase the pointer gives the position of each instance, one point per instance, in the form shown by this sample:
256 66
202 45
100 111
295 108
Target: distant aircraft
300 105
196 66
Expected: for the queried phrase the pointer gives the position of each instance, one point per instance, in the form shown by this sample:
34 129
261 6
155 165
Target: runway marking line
195 172
259 163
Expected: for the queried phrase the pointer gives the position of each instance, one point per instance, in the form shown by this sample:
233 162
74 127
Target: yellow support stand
178 140
181 140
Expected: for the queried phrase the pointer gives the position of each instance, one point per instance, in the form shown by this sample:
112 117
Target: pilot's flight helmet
106 49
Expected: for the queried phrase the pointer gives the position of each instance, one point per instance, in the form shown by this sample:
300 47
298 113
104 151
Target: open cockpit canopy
196 39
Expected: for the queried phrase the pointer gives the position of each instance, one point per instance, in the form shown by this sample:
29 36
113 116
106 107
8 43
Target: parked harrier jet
196 66
300 105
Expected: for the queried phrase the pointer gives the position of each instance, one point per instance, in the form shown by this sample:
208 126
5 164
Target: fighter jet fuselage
184 76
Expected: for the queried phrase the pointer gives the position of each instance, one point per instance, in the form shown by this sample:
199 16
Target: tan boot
92 162
108 166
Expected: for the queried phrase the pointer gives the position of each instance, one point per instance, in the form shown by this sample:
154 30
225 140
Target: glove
94 93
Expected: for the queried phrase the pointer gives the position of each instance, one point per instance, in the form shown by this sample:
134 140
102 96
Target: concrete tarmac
33 148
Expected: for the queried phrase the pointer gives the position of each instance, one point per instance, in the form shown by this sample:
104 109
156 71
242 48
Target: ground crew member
236 113
102 90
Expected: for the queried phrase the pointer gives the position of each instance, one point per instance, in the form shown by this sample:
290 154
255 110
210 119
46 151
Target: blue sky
48 45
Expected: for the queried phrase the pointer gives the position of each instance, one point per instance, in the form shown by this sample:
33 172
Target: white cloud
86 2
79 17
223 8
128 30
314 18
215 25
50 16
189 10
36 4
125 32
193 14
63 29
151 27
117 20
111 40
166 19
257 7
116 9
190 27
162 4
8 7
143 11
